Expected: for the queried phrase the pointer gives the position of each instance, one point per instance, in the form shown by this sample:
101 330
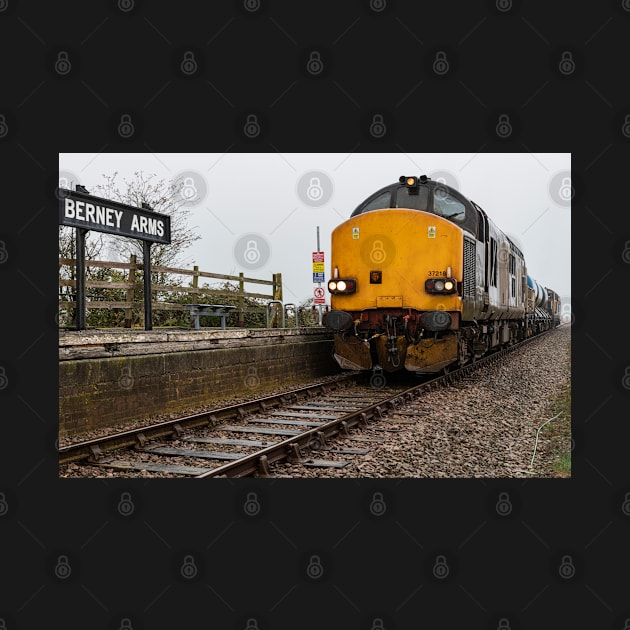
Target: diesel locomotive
422 279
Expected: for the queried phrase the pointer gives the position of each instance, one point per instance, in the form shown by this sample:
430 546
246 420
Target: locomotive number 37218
437 273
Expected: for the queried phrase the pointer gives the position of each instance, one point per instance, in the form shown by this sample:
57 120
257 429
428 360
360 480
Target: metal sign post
146 265
80 278
318 277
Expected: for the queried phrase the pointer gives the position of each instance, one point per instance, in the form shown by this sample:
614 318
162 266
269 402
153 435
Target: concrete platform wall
110 378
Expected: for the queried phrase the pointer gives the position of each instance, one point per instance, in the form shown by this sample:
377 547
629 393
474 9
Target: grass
559 432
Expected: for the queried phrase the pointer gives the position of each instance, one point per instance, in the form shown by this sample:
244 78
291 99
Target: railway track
247 439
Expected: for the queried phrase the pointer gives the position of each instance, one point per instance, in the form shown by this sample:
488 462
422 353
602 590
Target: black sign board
79 210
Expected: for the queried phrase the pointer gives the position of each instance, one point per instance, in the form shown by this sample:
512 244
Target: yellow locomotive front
397 280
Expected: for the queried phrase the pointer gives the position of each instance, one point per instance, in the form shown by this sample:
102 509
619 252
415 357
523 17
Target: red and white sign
319 294
318 257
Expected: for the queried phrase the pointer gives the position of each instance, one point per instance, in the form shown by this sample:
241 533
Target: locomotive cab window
417 199
445 205
378 203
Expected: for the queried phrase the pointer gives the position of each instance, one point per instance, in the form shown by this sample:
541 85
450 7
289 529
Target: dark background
125 58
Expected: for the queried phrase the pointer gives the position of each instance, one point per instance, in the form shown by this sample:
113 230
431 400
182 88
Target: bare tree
161 196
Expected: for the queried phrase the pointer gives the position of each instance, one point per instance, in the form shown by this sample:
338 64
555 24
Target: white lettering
143 224
134 223
79 210
69 211
118 214
160 228
100 215
89 212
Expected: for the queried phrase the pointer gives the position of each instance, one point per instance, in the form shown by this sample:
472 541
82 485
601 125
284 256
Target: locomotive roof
447 190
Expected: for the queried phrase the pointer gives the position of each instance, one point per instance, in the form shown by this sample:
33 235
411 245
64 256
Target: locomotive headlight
343 285
441 285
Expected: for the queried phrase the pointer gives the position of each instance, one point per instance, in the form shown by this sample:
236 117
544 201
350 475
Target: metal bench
217 310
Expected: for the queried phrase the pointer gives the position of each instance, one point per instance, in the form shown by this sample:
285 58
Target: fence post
131 292
241 303
277 286
277 301
195 283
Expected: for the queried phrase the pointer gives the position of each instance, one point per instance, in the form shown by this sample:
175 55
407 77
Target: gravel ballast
482 426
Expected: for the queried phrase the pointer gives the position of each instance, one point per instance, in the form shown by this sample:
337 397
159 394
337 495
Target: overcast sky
258 213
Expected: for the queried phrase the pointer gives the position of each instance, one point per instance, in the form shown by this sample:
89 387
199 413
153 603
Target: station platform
112 377
81 344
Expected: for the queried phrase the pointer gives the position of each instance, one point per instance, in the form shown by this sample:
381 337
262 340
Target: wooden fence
197 294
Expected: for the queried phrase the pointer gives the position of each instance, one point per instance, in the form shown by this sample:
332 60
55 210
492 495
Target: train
423 280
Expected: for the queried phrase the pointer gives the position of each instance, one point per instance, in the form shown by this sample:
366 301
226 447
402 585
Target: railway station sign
80 210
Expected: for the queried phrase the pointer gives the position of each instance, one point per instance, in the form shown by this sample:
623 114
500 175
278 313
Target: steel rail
94 449
291 448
